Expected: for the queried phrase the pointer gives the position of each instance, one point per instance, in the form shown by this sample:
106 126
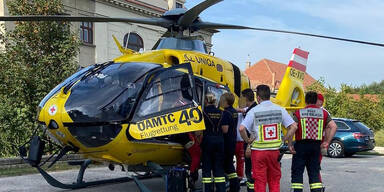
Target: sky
336 62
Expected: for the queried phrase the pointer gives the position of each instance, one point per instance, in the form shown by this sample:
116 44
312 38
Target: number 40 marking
187 117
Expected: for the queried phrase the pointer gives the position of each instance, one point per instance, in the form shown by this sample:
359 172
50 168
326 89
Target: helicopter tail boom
291 91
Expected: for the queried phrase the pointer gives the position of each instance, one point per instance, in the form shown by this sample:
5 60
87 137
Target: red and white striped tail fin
299 59
291 90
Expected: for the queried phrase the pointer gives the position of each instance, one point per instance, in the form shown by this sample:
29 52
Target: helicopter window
170 90
217 92
108 94
70 79
133 41
182 44
95 136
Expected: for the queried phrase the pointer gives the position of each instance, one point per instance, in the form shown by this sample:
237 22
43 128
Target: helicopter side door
169 105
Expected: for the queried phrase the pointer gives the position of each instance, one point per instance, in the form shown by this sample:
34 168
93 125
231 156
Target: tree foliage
373 88
341 104
37 56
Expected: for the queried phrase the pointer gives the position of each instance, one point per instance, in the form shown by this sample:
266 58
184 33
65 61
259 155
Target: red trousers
266 169
195 153
239 153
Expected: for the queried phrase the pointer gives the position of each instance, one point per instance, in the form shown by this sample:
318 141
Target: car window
341 125
361 126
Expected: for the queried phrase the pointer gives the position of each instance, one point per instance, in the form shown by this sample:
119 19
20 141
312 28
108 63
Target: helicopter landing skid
34 157
80 183
35 152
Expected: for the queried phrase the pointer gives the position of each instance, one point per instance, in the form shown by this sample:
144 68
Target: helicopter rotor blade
209 25
162 22
192 14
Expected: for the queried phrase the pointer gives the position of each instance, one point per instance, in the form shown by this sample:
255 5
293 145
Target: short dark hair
248 94
263 92
311 97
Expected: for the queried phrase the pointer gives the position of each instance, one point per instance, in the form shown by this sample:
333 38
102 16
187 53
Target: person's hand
189 144
251 139
285 139
240 110
291 149
325 145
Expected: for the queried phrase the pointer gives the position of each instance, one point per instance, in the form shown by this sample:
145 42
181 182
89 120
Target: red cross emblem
52 110
270 132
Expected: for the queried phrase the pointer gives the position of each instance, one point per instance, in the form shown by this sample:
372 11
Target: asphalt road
358 173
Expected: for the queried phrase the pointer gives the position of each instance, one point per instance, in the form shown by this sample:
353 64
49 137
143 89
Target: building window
179 5
86 32
133 41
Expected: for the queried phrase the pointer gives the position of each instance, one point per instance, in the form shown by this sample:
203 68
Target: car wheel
336 149
349 154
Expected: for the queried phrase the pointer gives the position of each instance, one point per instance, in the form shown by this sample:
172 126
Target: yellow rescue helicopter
128 111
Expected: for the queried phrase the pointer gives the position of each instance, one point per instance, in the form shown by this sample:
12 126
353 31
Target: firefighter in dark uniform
313 125
249 96
212 147
229 123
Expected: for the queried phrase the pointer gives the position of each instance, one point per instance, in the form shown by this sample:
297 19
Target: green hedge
37 57
340 104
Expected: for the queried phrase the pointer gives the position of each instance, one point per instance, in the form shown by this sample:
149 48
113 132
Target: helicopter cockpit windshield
107 94
181 44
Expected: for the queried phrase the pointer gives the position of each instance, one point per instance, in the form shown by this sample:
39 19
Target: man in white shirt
265 122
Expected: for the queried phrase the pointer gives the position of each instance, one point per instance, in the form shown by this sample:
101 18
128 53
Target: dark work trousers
307 156
212 161
248 171
229 168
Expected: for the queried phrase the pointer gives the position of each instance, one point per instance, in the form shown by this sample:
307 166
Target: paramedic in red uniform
239 151
265 121
312 121
320 103
194 150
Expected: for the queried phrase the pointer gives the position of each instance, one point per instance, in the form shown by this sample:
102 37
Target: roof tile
261 73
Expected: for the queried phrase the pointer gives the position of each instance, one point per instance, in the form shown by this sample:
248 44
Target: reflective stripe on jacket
268 124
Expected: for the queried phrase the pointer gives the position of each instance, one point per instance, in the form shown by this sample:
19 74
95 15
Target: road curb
379 150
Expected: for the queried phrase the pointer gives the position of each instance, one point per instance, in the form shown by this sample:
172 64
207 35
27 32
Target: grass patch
26 169
379 138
